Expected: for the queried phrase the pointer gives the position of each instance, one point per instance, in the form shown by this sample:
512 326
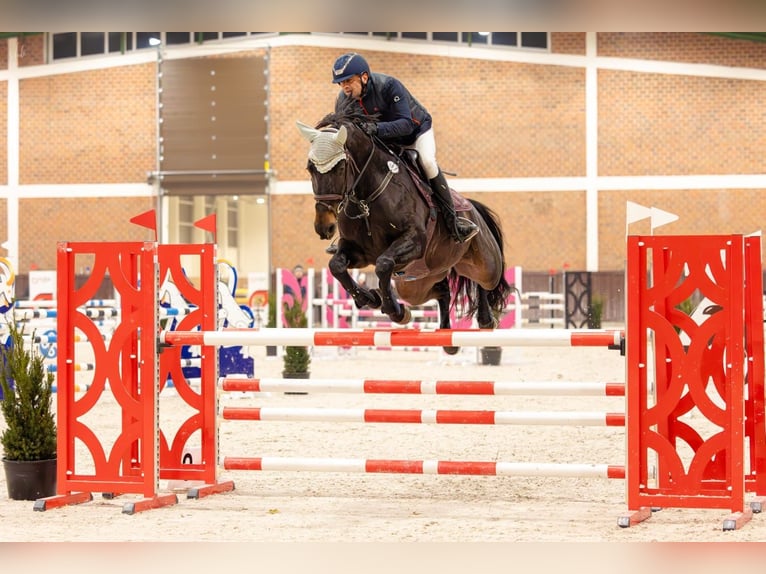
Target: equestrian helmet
347 66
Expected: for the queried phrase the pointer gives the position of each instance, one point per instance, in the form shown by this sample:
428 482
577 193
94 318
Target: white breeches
425 145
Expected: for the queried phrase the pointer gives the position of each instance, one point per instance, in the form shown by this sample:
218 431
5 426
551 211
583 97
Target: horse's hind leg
443 297
484 316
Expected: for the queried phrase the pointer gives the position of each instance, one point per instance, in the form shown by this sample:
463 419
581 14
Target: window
504 38
204 36
534 40
445 36
142 39
65 45
186 220
176 38
120 42
475 37
91 43
76 44
232 223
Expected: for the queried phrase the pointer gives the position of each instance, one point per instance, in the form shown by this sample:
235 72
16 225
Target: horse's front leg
362 296
400 252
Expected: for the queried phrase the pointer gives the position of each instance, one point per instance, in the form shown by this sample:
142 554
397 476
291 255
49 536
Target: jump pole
425 387
386 466
613 339
423 416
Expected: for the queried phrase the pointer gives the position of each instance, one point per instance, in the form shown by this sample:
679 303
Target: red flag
147 219
207 223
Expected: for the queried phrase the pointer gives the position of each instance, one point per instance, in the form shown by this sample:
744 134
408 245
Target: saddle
409 157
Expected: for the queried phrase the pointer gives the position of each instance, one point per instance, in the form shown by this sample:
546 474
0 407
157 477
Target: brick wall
31 50
491 119
652 124
293 239
89 127
568 43
83 219
689 47
704 212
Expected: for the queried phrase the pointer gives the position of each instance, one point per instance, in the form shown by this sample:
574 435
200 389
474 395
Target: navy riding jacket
402 117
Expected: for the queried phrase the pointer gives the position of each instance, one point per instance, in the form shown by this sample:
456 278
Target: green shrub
27 400
595 312
296 359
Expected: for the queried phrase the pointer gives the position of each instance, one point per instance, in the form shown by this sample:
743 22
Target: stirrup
465 229
332 249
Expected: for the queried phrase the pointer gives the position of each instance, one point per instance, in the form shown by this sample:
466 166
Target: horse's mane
347 113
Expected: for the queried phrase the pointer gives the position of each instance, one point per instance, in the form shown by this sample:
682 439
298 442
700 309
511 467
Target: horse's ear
307 131
341 136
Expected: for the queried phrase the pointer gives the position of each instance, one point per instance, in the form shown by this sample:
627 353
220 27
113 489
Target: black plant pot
491 355
271 350
30 479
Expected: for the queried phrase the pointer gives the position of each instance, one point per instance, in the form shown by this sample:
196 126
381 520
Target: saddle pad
460 202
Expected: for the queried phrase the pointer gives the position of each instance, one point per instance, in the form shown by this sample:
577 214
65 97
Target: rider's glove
370 128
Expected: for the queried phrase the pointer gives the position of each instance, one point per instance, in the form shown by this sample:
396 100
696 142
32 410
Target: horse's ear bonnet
327 146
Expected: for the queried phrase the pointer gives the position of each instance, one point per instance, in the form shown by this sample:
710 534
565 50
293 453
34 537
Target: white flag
660 217
635 212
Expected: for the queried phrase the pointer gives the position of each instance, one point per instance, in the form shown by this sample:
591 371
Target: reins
349 195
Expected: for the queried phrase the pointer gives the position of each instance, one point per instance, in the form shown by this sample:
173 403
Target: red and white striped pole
398 337
424 416
425 467
423 387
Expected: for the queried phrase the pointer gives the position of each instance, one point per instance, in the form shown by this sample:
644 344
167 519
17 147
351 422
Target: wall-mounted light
154 41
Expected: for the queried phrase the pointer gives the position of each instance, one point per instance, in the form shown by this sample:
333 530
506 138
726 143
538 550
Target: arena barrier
328 305
40 322
662 272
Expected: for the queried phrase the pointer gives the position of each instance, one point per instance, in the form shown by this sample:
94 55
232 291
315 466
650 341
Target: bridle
349 196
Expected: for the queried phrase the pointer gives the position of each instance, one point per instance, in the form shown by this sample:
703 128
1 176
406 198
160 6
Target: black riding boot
461 228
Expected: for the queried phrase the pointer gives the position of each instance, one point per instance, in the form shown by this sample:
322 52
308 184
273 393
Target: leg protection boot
461 228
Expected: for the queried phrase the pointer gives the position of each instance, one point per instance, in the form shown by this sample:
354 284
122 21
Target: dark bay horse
385 217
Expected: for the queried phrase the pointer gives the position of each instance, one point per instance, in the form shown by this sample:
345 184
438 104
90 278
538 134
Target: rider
402 121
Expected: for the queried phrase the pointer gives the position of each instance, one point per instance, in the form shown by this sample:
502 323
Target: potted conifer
29 439
296 359
595 312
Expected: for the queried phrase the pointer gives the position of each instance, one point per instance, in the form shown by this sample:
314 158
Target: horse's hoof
406 317
451 350
368 300
375 300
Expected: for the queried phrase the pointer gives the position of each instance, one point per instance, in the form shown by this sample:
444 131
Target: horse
381 208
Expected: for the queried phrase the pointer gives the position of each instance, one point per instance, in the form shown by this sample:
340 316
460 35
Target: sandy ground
305 507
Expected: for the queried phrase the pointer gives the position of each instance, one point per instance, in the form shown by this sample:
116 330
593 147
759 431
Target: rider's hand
370 128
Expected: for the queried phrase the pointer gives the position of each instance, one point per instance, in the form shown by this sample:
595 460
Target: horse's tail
465 289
